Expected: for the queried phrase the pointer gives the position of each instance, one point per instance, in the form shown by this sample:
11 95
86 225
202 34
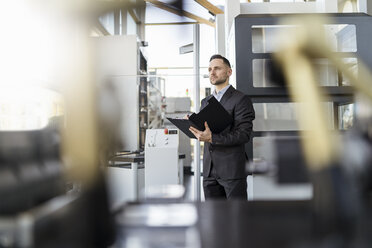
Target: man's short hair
218 56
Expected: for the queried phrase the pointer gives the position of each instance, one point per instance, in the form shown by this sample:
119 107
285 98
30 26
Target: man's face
218 72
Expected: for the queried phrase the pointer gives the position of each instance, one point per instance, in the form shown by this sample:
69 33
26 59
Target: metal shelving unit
253 45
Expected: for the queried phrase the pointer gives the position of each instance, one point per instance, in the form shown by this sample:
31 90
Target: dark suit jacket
227 150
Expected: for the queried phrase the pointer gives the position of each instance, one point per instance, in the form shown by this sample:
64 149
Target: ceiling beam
178 12
134 16
210 7
100 28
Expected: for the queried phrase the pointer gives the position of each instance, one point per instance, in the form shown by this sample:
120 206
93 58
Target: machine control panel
161 137
175 131
162 163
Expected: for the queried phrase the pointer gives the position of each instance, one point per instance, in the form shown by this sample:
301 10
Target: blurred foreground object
30 169
338 204
38 208
309 41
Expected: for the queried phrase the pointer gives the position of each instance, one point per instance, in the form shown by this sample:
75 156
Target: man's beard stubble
218 82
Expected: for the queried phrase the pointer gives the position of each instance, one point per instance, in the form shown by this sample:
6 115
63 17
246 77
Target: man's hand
205 135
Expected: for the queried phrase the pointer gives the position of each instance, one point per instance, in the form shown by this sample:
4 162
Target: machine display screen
173 131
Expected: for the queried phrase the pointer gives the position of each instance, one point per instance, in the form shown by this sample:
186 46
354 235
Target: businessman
224 154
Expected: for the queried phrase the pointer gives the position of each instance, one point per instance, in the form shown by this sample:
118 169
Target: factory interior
89 156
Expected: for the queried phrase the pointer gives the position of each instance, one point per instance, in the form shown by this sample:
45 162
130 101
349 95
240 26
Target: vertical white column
124 21
362 6
232 9
365 6
197 107
220 34
141 26
117 22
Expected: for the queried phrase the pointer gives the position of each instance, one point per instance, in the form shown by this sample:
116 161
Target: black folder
214 114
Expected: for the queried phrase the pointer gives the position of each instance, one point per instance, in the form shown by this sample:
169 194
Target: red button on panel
166 130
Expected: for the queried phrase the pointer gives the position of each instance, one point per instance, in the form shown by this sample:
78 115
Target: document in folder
214 114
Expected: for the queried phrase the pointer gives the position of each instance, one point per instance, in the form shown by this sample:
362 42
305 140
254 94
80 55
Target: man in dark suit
224 154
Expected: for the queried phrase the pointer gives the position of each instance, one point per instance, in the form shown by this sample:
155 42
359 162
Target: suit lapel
227 95
206 101
209 97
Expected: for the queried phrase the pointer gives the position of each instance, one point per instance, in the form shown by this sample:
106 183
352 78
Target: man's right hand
205 135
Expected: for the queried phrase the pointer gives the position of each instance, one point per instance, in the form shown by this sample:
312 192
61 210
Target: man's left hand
205 135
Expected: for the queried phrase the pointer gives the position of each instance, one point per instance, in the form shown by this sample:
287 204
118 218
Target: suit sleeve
242 130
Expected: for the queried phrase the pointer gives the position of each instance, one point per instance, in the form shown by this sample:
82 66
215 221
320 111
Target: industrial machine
121 61
136 176
163 165
155 101
126 179
178 107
